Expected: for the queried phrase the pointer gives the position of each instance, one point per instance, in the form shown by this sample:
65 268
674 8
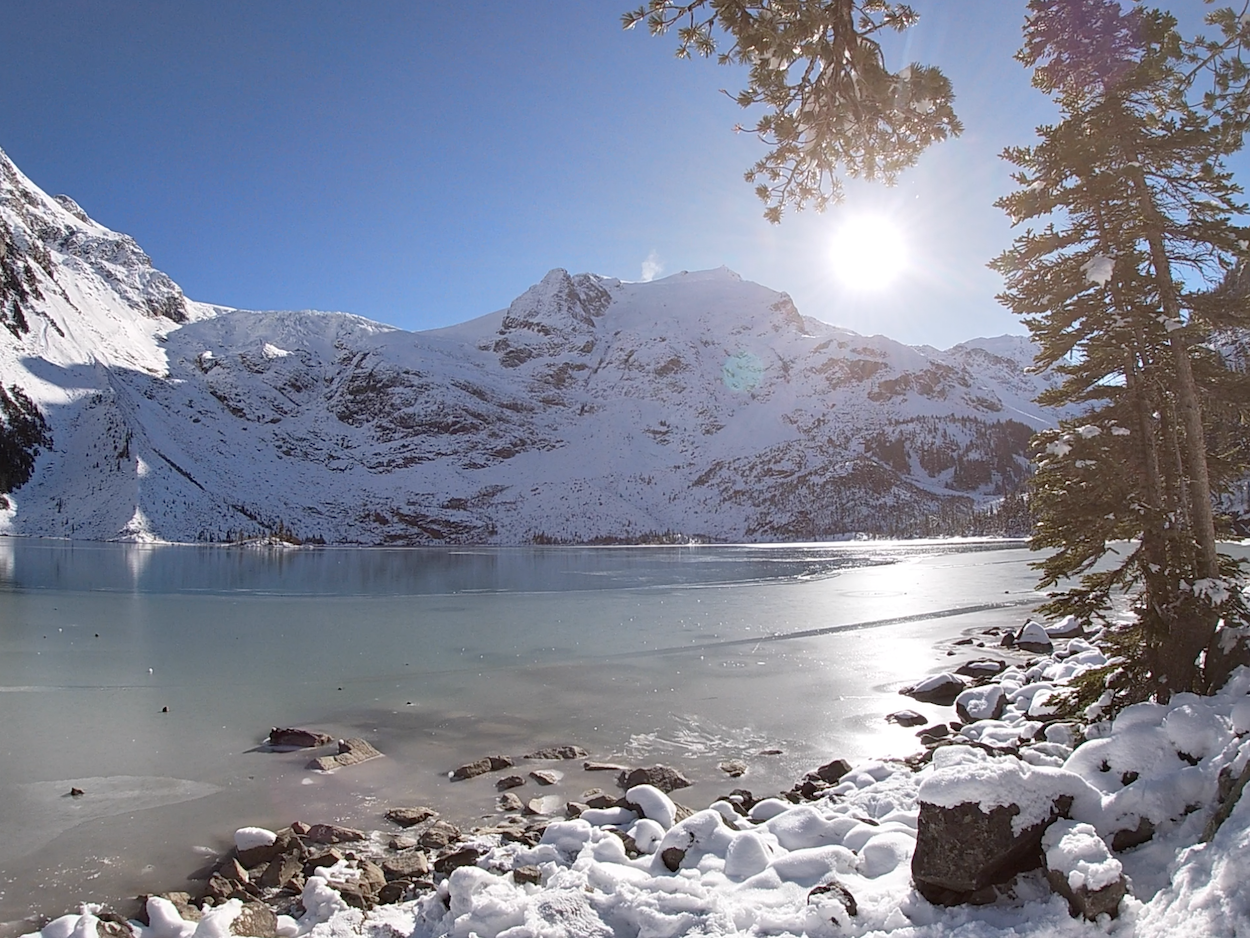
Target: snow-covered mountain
696 405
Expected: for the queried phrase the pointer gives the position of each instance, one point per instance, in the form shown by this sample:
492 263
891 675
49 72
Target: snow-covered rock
1082 870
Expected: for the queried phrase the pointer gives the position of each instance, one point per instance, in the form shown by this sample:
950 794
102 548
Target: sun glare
869 252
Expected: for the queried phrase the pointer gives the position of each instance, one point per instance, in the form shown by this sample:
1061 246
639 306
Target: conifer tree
1131 209
832 105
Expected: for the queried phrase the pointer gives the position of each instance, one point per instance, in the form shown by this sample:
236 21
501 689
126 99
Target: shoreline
952 648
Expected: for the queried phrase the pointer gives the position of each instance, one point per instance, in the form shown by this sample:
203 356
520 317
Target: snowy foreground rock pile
1013 824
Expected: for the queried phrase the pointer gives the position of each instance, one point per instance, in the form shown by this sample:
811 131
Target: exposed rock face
24 434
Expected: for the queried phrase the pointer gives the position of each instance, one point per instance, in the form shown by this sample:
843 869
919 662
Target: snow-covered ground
718 872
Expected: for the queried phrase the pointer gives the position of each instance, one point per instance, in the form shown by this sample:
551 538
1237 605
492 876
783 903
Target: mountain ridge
591 409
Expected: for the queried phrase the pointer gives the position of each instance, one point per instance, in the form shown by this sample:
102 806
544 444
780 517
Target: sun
869 252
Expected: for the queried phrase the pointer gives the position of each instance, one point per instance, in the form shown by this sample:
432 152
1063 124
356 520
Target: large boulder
981 822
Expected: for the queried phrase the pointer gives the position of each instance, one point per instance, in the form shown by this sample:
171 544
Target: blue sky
423 163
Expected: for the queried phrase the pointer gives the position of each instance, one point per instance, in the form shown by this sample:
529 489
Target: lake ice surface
686 655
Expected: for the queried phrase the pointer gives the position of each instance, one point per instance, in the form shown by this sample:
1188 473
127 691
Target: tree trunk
1192 625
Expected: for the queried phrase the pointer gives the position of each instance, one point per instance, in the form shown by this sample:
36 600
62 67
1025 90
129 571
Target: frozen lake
686 655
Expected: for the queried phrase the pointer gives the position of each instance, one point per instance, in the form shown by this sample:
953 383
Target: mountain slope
696 405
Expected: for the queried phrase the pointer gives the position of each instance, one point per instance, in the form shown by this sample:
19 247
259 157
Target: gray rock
509 802
255 921
981 668
907 718
353 895
543 777
465 856
931 734
962 850
1128 839
333 834
297 738
1032 637
410 817
351 752
941 689
284 842
1083 902
527 875
439 835
671 857
734 768
318 860
394 892
603 767
281 870
509 781
112 925
546 806
1071 846
233 870
219 888
481 767
981 703
663 777
832 772
558 752
834 891
372 877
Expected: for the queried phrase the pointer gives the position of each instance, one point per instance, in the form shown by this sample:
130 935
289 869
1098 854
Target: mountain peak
721 273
